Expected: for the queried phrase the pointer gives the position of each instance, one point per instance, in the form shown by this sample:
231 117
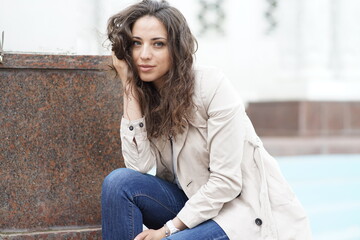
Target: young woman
214 179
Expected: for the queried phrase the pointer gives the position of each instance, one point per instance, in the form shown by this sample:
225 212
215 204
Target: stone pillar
59 128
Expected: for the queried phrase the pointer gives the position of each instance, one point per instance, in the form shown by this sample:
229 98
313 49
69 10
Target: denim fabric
208 230
130 199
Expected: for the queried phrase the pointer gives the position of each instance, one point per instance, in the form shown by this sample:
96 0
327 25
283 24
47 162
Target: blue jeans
130 199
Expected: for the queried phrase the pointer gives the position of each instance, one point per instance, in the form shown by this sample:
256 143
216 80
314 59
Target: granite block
59 124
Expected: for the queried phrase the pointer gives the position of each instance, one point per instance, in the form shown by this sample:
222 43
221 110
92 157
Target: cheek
168 66
168 61
134 54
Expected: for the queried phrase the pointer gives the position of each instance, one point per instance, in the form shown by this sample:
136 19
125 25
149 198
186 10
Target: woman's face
150 49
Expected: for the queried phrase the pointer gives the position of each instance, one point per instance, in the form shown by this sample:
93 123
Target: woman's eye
136 43
159 44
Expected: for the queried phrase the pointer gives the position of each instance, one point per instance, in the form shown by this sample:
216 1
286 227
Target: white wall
314 53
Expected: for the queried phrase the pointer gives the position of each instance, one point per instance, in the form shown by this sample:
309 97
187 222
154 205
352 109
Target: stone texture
33 61
59 124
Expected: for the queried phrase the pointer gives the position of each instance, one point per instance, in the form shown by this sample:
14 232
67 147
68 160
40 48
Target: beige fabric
218 157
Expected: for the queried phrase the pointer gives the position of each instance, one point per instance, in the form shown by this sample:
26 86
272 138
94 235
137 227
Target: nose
145 53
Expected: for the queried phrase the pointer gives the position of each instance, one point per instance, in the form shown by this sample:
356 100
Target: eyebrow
153 39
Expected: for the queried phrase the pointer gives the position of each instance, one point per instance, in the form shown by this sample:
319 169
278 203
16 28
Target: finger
150 235
142 235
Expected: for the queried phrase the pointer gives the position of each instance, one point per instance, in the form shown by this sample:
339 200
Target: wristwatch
170 228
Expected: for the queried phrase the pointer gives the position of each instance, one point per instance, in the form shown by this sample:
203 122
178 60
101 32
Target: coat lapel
179 142
164 147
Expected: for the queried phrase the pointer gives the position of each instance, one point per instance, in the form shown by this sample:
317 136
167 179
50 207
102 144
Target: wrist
170 228
166 231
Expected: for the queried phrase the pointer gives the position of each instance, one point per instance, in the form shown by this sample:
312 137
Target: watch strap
171 227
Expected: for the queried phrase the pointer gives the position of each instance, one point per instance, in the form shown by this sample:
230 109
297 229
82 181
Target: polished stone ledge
88 233
71 62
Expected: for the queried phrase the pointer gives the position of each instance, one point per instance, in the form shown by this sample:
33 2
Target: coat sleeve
137 150
225 140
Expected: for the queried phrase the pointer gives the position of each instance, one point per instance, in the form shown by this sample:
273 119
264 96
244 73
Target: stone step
89 233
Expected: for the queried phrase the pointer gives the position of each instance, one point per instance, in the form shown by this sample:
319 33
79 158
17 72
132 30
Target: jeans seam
155 200
131 232
222 237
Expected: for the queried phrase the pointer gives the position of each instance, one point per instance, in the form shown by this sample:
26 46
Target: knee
119 179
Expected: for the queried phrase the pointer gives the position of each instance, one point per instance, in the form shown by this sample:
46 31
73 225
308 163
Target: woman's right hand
121 68
132 108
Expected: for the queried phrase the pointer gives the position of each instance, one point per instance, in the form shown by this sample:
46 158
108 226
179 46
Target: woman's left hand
151 234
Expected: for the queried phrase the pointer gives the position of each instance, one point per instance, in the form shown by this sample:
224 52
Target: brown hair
167 109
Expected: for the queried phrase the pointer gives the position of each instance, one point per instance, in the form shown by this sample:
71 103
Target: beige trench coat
222 167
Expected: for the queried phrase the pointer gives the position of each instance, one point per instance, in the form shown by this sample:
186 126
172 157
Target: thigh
208 230
157 199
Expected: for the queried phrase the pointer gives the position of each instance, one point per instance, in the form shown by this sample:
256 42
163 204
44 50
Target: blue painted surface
329 188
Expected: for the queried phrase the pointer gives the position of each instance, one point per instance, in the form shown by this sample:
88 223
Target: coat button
258 221
141 125
131 128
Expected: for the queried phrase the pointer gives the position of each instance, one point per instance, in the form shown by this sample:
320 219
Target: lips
145 67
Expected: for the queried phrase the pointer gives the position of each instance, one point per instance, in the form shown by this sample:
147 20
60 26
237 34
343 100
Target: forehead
149 26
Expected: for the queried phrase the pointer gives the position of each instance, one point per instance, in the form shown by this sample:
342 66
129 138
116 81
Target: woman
214 179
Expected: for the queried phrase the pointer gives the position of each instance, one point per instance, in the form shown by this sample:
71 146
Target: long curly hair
168 109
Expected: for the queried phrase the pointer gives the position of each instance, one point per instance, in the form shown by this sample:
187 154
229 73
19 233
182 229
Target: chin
147 78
